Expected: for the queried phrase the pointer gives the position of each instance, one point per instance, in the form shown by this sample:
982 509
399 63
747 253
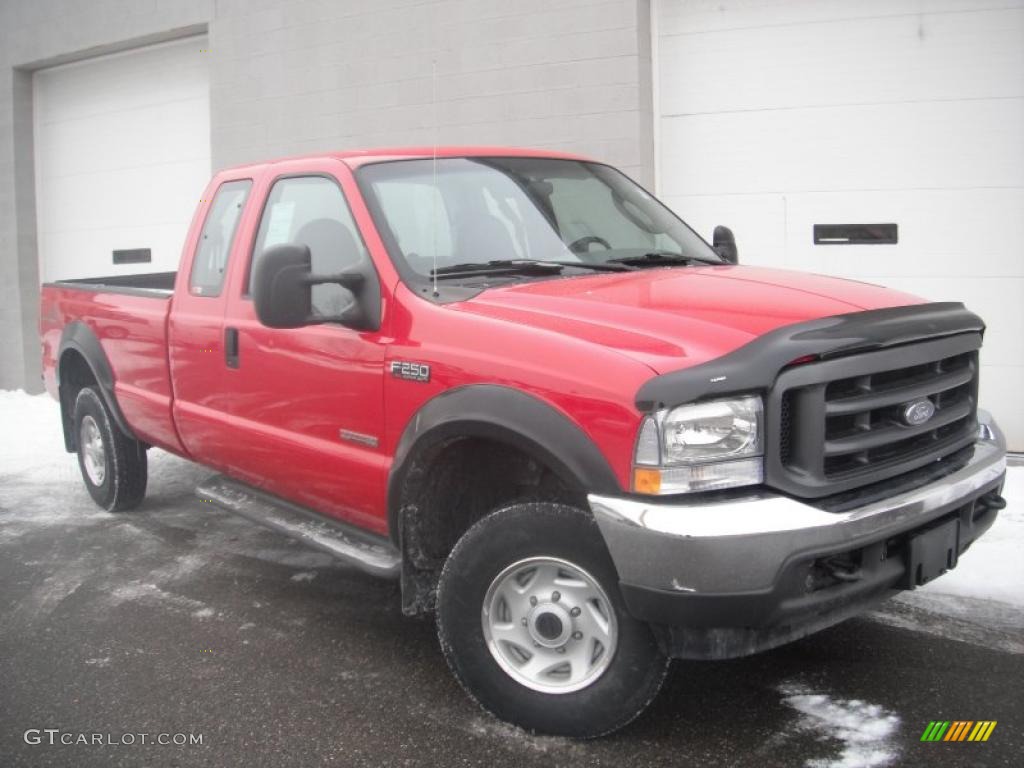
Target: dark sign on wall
855 234
133 256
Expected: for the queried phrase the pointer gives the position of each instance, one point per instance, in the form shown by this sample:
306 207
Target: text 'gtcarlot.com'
55 736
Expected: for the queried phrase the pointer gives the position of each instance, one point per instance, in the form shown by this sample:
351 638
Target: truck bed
127 316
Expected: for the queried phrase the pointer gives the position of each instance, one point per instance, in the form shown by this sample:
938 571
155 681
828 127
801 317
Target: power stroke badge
404 369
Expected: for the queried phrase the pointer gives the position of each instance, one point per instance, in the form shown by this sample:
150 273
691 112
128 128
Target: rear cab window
209 265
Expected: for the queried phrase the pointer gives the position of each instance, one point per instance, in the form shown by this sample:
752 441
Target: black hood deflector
756 365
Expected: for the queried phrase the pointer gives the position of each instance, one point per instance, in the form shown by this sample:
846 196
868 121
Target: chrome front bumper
754 551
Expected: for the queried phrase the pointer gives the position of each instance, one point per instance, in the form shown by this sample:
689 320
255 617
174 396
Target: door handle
231 347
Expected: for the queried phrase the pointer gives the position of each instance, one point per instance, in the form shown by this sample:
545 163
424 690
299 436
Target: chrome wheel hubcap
94 457
549 625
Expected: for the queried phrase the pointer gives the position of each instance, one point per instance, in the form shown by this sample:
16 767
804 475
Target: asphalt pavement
180 619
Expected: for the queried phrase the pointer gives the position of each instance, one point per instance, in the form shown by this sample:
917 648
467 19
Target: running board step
368 552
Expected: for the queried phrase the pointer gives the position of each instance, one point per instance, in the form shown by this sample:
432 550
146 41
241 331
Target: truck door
195 334
307 403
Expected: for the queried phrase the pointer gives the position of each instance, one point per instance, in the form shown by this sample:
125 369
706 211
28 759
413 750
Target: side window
311 210
211 257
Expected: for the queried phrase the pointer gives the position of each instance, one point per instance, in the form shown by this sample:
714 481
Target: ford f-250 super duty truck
513 380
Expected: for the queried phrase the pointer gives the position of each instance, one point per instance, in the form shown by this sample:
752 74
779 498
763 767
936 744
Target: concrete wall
295 76
302 77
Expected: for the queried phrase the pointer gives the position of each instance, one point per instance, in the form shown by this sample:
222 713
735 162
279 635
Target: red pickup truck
513 380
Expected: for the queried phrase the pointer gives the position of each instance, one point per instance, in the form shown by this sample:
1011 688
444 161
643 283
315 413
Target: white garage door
122 153
774 116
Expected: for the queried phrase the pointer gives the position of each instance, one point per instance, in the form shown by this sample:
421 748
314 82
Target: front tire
532 624
113 465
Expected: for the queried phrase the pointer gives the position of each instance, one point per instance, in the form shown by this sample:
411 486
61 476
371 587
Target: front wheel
532 624
113 465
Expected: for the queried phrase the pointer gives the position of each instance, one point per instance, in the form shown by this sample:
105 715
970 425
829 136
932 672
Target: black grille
863 415
841 423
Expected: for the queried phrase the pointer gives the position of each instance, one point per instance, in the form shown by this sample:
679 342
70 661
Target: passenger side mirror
724 244
282 290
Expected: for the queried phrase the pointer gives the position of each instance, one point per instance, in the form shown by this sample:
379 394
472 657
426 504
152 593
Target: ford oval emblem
918 412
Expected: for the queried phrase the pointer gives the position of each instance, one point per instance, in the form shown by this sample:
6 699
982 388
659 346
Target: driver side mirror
724 244
282 291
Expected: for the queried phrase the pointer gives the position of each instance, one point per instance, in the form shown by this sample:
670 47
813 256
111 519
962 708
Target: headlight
718 429
701 447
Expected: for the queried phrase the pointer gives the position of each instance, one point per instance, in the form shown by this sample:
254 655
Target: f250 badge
403 369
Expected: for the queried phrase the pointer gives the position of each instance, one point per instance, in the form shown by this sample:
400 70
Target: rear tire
532 624
113 465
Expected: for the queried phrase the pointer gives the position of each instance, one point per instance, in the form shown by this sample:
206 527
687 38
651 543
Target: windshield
481 210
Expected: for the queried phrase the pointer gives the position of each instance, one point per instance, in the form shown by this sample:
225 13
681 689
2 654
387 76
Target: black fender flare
80 337
505 415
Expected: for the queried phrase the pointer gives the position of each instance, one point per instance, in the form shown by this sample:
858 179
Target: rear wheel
533 626
114 466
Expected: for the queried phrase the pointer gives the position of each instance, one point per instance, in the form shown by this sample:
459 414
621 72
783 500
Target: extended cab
517 383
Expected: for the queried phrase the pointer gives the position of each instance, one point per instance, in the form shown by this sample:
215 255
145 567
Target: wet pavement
178 618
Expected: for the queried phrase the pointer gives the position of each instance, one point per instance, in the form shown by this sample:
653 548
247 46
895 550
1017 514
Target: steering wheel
581 245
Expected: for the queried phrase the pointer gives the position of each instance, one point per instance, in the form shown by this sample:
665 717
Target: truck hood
676 317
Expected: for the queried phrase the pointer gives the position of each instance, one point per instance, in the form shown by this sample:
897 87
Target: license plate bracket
932 552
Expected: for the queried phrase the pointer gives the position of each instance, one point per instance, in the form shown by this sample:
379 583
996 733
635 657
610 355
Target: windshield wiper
659 259
518 267
603 266
497 267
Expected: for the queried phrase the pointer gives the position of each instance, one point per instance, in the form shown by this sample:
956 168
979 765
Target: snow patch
53 515
866 731
181 568
39 448
512 736
44 599
139 591
985 623
304 576
203 613
104 662
993 568
301 557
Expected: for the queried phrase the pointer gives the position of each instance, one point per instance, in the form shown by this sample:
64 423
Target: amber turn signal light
647 481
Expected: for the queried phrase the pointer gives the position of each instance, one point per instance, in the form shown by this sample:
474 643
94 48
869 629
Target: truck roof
357 157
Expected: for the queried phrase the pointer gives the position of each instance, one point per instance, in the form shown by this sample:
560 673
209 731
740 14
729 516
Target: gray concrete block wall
303 77
24 211
296 76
